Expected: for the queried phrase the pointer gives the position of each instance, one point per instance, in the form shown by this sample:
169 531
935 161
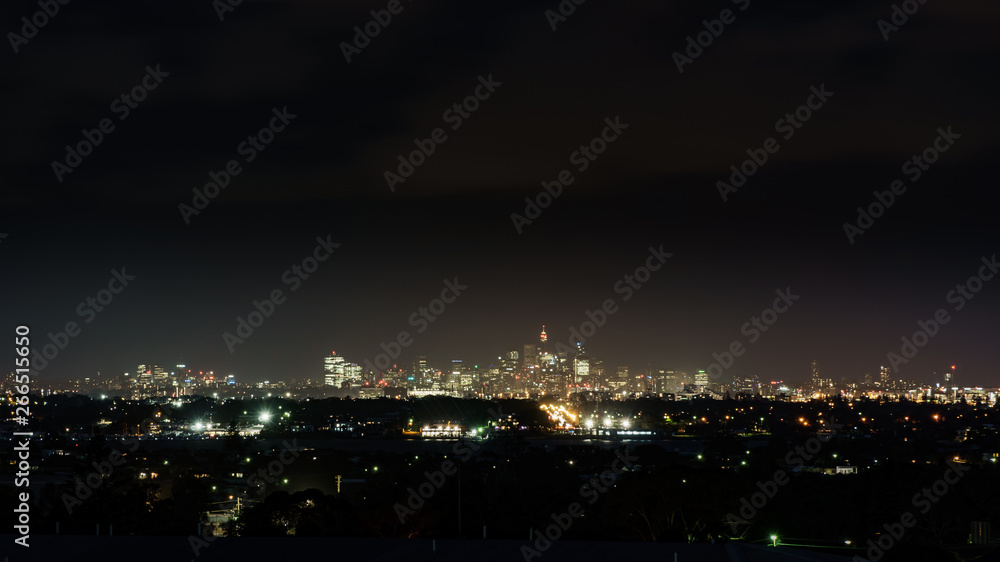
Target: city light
562 417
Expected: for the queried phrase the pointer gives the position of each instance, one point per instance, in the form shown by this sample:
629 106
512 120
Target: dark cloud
656 184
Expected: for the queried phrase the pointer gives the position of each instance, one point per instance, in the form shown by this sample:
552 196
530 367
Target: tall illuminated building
597 374
419 373
701 381
581 370
455 375
530 355
533 352
664 380
510 371
581 365
621 377
333 370
152 375
352 374
144 374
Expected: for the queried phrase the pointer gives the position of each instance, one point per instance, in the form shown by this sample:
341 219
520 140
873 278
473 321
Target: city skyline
927 362
337 370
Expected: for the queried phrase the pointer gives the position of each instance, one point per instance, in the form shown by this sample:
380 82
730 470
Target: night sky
654 185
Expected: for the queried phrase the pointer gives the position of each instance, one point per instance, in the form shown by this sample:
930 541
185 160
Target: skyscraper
664 380
419 373
530 355
333 370
455 375
152 375
701 381
352 374
144 374
621 377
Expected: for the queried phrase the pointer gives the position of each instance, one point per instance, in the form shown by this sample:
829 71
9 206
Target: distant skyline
404 360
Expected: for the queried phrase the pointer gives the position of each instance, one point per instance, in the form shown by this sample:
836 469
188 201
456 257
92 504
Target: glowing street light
625 424
774 540
589 424
264 416
608 422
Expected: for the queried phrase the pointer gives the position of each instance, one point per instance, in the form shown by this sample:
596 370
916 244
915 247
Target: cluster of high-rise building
148 376
535 369
146 381
540 368
339 373
151 380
